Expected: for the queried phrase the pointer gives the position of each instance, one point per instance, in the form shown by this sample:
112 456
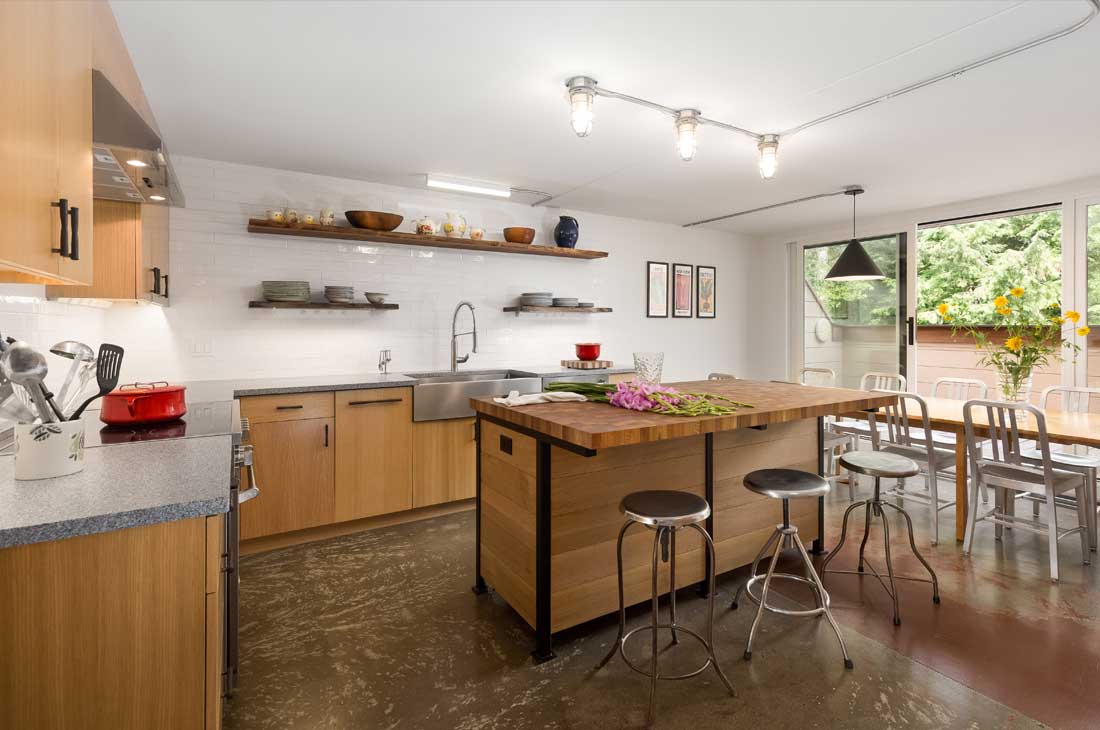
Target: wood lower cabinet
444 461
46 118
373 452
294 462
111 631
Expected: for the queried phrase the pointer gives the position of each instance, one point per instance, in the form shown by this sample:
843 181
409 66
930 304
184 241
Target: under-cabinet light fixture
458 185
136 163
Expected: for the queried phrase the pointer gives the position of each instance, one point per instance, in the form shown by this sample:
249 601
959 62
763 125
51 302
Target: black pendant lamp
854 264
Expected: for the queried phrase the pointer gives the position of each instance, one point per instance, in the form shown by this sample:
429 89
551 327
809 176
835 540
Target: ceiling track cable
848 189
1094 10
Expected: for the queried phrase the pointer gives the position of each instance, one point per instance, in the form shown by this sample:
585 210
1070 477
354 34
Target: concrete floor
380 630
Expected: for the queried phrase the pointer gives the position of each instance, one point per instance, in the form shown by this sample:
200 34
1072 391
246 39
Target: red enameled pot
143 403
588 350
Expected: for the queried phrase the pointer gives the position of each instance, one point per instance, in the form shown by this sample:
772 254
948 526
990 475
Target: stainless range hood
129 158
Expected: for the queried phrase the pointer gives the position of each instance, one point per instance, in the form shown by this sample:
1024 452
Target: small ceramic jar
291 216
328 217
308 219
276 216
426 226
476 234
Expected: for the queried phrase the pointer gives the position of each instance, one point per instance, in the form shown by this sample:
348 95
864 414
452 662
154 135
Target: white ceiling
382 91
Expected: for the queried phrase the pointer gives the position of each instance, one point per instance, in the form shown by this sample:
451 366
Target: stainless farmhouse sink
443 394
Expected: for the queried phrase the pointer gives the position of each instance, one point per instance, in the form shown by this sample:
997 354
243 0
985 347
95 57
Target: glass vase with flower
1023 339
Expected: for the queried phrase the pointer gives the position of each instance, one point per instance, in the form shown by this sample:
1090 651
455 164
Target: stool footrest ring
784 611
645 672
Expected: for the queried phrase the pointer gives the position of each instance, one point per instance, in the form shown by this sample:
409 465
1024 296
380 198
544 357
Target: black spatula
108 364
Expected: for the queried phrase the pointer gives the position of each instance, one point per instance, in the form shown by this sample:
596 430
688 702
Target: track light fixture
582 97
768 148
687 130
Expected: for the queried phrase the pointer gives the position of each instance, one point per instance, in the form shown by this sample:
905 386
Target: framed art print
656 289
681 290
705 292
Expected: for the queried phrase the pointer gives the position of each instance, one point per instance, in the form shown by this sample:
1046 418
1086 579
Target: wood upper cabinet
444 461
46 117
131 254
294 466
373 452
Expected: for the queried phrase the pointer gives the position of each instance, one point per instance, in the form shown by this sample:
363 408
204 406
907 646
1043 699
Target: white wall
209 332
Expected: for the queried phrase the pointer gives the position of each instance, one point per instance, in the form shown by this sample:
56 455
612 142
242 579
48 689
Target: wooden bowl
519 235
373 220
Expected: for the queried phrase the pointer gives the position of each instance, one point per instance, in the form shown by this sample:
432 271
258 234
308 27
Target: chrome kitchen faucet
455 359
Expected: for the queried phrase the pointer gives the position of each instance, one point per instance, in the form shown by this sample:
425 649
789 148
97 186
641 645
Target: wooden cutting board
586 364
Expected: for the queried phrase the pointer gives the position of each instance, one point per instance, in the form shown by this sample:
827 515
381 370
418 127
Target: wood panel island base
551 477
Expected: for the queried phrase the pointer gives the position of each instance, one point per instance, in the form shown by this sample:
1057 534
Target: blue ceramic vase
566 232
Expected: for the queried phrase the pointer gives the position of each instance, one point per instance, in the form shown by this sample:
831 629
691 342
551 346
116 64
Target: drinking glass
648 365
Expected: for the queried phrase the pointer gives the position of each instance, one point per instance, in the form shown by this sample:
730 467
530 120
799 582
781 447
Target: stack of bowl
537 299
286 291
565 301
340 294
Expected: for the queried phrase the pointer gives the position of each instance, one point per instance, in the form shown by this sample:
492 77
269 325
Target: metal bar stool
665 512
880 464
786 484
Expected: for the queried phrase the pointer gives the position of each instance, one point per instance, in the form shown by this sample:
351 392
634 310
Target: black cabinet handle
74 240
156 281
326 435
165 277
62 206
374 402
289 408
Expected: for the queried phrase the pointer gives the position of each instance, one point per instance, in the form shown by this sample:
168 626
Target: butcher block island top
600 425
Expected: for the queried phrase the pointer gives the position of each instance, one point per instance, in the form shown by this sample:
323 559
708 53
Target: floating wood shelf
318 305
261 225
556 310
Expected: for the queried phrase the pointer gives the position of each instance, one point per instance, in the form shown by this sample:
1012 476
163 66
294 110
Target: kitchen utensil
375 297
374 220
11 407
518 234
108 365
588 350
587 364
77 391
25 366
137 403
79 353
46 450
648 366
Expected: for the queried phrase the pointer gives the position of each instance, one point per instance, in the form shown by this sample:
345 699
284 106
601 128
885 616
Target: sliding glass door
854 327
1088 223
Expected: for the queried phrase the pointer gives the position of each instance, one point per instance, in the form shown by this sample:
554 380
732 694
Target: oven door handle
245 461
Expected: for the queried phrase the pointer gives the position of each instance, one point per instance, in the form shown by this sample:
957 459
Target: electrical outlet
200 346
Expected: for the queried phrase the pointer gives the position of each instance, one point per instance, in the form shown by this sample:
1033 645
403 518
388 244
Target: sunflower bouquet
1020 342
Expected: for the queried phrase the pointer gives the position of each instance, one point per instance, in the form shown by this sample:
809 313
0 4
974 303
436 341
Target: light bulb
136 163
582 97
687 132
769 155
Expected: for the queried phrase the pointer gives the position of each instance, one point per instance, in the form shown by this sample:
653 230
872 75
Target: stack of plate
586 304
537 299
565 301
286 291
340 294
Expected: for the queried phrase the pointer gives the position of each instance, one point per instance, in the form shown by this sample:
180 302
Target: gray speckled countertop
214 390
124 485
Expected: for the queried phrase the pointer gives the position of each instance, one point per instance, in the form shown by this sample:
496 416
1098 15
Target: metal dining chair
835 444
857 429
960 389
1072 399
1003 467
900 437
721 376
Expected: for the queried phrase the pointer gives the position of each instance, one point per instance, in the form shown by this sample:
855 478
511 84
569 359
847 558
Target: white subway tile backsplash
217 267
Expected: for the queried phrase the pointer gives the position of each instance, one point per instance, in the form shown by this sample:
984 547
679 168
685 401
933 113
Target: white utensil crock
45 450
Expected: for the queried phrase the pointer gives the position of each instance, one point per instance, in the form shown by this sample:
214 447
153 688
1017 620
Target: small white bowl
375 297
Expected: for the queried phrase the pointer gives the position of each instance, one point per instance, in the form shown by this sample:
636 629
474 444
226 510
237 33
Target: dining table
945 414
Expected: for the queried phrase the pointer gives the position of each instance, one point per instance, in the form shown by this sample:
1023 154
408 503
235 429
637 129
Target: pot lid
160 386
